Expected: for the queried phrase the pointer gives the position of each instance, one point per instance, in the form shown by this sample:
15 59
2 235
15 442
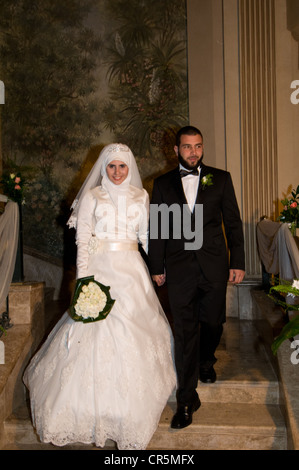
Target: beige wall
214 82
287 57
219 77
205 72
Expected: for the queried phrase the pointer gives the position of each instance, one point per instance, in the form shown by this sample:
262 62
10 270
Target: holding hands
159 279
236 276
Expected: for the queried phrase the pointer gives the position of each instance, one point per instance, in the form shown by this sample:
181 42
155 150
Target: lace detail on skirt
67 430
109 379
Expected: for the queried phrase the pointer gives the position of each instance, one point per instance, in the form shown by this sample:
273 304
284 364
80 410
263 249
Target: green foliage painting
80 74
146 57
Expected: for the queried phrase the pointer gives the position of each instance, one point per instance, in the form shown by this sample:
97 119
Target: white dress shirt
190 185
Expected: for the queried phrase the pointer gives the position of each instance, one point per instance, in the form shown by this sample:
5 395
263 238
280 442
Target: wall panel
257 119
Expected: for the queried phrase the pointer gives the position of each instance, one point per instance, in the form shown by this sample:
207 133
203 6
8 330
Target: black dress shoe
183 416
207 375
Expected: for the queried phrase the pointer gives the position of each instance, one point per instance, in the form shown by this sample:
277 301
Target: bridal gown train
109 379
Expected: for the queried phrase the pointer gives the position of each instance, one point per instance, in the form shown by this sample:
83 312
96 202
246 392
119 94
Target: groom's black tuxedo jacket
220 250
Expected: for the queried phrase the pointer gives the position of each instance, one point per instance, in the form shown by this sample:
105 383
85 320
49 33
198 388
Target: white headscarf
98 177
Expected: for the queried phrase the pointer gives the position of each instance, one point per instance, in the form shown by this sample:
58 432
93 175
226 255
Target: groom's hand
159 279
236 276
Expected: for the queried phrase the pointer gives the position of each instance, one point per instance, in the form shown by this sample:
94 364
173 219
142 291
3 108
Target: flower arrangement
291 329
206 181
13 187
290 212
91 302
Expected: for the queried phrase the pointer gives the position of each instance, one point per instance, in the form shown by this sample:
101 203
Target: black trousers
198 311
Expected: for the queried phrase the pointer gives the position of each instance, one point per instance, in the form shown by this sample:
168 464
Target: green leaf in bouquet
84 281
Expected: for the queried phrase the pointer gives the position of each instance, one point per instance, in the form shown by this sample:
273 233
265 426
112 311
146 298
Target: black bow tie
186 173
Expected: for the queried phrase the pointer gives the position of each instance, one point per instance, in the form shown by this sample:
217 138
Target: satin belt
97 246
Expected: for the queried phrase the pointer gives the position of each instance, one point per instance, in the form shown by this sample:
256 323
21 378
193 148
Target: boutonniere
207 181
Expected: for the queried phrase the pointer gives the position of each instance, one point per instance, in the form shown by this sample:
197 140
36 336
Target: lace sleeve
85 229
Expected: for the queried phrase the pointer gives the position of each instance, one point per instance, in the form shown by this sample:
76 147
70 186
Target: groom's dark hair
187 130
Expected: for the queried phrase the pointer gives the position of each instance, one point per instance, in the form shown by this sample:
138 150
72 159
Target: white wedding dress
109 379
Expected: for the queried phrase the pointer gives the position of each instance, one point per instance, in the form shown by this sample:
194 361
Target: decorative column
257 120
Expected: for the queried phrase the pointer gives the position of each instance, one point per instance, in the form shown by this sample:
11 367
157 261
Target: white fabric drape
9 235
278 250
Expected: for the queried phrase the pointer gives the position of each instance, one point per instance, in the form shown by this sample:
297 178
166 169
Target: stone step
239 411
20 435
241 378
226 426
238 392
244 372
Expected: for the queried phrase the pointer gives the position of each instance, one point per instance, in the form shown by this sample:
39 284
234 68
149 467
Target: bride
108 379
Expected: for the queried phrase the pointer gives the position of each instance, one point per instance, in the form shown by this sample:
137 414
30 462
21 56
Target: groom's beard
186 164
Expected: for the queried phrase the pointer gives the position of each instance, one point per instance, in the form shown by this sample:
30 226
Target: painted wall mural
80 74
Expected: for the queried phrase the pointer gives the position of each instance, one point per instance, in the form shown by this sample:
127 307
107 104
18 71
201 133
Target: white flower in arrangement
91 301
294 289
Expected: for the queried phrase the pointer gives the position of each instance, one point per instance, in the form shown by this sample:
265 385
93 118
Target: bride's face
117 171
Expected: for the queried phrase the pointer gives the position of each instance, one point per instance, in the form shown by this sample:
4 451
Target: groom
196 274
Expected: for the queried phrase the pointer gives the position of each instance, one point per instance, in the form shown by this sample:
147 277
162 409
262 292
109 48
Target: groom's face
190 151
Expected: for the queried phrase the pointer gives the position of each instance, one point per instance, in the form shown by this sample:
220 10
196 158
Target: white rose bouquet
91 301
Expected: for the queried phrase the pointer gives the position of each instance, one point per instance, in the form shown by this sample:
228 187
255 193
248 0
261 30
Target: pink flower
18 179
293 205
17 186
